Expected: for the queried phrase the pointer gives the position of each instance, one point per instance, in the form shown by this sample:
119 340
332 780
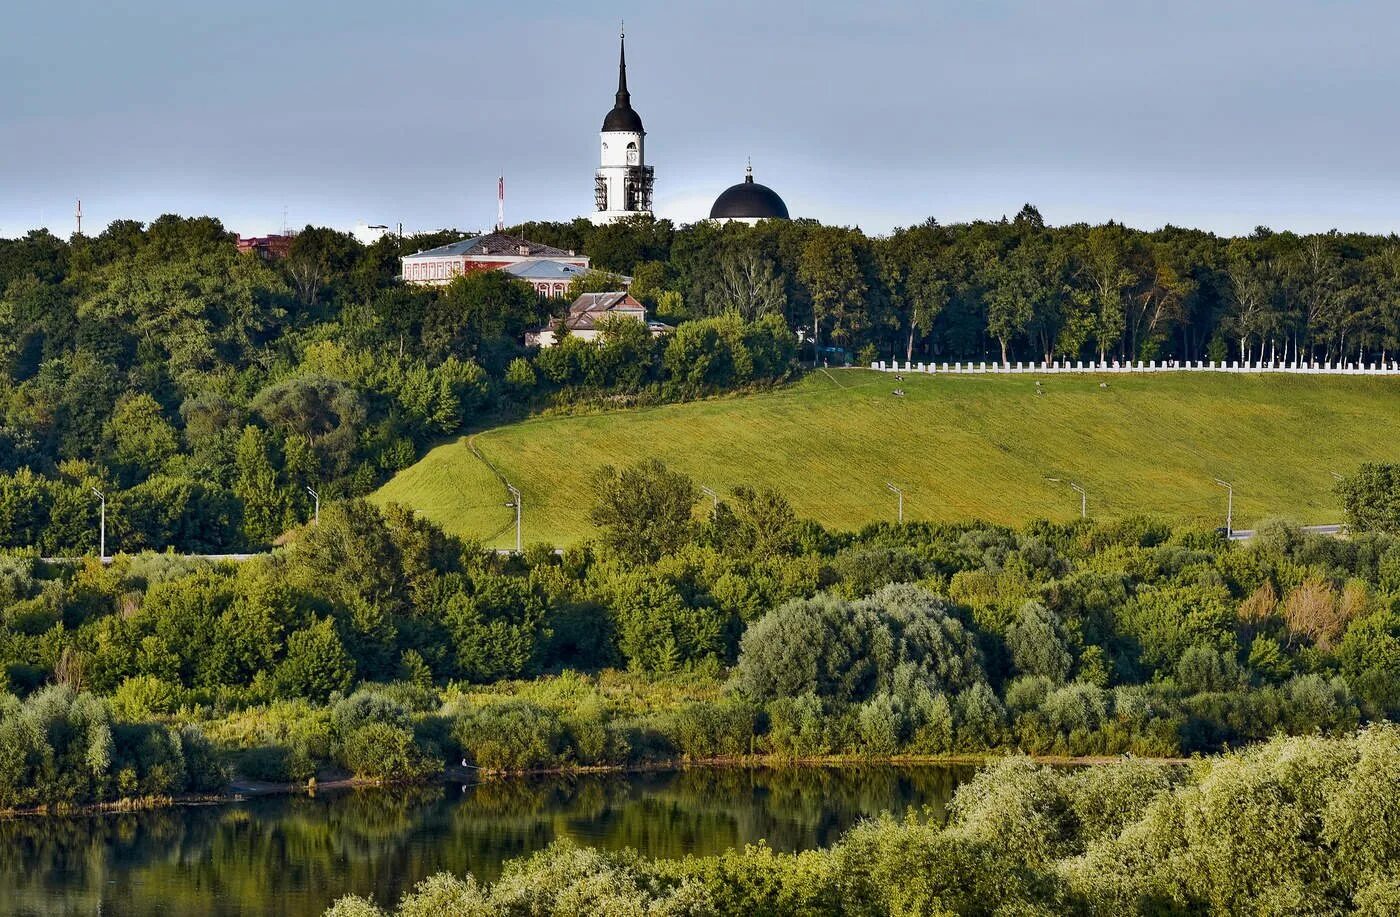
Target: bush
512 736
365 706
316 665
143 697
797 727
1037 643
384 751
270 764
882 722
848 651
709 730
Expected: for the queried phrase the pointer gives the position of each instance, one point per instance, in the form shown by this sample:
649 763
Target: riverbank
241 789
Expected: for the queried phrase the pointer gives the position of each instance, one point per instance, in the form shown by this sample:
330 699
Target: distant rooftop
495 243
544 269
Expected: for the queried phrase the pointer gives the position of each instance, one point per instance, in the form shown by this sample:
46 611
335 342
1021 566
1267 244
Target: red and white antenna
501 204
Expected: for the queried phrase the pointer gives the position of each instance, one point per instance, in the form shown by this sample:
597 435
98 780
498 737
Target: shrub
365 706
384 751
316 664
882 722
142 697
269 764
1037 643
709 730
511 736
797 727
1202 668
847 651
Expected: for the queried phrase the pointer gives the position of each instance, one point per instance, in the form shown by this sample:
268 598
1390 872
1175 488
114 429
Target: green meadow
959 447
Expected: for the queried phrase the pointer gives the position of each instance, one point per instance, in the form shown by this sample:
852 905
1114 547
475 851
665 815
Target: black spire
622 117
624 98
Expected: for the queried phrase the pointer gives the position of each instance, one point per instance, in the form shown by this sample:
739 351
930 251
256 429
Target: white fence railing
1141 366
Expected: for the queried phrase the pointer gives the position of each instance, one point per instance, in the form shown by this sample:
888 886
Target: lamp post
316 518
1229 507
1083 496
515 502
102 527
900 494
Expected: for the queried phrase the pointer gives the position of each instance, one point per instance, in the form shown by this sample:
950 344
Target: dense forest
203 391
377 646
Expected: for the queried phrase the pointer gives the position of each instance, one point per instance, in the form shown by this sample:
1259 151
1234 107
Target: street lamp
1083 496
515 502
1229 507
102 530
900 494
316 519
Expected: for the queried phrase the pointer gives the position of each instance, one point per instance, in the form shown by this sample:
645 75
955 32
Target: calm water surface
295 855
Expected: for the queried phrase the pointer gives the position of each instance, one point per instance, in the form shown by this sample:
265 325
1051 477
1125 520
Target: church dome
749 200
623 118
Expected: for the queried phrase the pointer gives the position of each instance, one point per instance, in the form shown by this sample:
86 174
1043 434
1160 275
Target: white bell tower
622 185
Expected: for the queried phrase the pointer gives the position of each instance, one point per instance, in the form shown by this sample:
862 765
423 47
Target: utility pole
102 529
900 494
714 497
1083 496
316 519
515 502
1229 507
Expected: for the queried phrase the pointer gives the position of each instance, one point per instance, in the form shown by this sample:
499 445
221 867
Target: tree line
1021 289
210 395
205 391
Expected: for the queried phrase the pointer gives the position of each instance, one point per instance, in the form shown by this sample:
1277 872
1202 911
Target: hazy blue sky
871 112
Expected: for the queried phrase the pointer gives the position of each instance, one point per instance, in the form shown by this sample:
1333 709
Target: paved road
1333 529
235 558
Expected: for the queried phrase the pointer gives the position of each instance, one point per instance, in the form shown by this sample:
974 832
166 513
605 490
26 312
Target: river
294 855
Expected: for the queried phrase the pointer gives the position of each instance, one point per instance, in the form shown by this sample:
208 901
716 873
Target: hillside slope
960 446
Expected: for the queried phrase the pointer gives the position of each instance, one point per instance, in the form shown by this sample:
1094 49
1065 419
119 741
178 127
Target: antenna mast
501 204
79 215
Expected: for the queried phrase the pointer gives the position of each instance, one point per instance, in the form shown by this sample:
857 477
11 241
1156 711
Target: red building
266 247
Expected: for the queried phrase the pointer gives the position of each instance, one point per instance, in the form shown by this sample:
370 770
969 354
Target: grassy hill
960 446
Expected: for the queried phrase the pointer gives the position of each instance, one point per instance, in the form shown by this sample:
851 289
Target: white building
623 183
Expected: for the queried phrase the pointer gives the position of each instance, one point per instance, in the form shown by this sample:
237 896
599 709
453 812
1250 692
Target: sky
1223 115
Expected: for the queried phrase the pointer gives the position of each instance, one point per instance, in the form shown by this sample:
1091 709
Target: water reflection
293 855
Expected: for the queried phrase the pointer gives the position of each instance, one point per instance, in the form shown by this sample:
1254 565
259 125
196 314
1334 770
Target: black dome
749 201
623 118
